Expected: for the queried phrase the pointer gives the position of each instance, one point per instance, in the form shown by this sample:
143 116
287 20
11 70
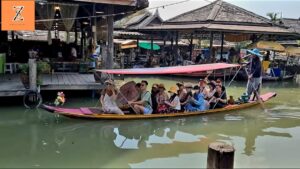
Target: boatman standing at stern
254 74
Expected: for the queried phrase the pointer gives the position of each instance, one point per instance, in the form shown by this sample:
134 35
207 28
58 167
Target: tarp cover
170 70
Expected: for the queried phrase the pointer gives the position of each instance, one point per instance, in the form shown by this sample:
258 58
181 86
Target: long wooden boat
271 78
94 113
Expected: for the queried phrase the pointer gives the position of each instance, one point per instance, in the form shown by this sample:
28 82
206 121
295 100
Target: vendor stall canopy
291 50
268 45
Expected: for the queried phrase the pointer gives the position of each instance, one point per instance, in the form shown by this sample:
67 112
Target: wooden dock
11 85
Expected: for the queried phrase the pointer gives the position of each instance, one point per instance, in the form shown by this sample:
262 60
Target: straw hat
173 89
162 86
188 85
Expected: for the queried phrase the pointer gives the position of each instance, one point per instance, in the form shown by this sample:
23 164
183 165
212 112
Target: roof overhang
222 28
112 2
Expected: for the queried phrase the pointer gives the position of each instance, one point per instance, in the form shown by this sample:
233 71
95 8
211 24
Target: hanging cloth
47 12
68 14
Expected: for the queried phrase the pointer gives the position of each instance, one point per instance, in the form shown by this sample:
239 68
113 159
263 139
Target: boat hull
91 113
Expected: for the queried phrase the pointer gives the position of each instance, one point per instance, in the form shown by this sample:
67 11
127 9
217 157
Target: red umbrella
127 93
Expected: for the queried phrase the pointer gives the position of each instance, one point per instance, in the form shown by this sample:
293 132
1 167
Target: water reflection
39 139
100 143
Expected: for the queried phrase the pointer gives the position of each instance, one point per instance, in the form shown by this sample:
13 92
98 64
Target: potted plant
24 69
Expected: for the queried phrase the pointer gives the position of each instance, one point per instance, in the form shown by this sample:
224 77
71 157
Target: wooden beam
191 46
211 46
32 74
110 39
222 45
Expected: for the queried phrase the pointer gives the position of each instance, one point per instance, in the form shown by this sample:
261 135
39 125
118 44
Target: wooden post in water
32 74
298 78
220 156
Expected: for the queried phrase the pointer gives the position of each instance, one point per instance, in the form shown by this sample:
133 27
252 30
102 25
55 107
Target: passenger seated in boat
174 101
108 99
219 82
154 92
197 102
143 106
203 85
219 100
161 98
211 91
188 87
181 91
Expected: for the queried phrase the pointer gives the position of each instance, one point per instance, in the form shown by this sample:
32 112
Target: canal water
37 139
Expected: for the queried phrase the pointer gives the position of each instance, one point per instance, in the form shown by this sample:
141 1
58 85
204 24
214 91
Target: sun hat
162 86
173 89
255 52
188 85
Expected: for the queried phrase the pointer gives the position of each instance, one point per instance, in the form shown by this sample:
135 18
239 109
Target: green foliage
273 16
24 68
43 67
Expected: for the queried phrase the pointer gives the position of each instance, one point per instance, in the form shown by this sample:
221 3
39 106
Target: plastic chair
9 67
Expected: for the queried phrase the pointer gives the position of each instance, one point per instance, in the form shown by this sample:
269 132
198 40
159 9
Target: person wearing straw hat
108 99
255 71
174 102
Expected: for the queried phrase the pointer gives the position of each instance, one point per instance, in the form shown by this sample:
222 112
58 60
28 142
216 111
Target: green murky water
37 139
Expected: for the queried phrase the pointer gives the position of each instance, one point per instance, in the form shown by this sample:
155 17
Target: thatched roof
221 12
292 24
138 20
220 16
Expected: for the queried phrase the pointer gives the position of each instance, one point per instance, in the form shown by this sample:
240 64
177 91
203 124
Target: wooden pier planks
10 85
